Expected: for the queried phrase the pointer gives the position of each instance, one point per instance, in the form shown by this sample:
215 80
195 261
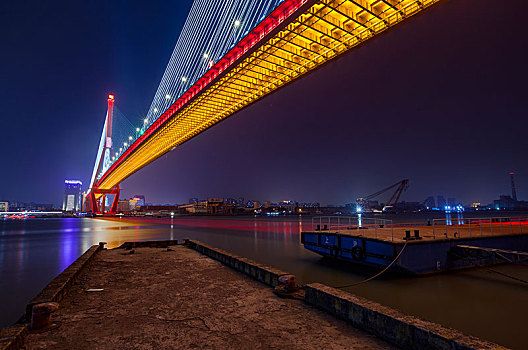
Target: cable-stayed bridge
230 54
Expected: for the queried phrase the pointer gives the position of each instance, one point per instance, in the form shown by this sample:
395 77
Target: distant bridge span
297 37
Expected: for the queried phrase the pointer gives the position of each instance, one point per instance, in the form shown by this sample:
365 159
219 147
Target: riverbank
178 298
159 296
34 251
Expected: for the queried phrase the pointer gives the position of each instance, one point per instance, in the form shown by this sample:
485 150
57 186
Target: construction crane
400 186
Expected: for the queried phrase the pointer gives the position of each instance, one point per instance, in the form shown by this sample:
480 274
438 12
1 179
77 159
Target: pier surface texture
159 298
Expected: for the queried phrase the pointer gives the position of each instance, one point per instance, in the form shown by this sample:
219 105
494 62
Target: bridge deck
295 39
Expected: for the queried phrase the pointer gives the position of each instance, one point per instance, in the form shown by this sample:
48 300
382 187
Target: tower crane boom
400 186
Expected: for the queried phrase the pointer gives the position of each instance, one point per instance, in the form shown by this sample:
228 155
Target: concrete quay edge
263 273
148 244
402 330
59 286
13 337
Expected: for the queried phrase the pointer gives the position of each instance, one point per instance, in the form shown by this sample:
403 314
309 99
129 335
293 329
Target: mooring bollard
41 314
102 245
288 281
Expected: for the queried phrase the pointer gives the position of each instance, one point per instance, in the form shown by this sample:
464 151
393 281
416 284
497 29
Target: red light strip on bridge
266 26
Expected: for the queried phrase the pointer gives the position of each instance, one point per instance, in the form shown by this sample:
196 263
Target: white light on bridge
137 129
167 96
125 144
237 23
130 138
155 111
184 79
206 56
145 121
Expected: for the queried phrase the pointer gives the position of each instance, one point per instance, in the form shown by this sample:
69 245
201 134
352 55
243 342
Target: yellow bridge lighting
310 36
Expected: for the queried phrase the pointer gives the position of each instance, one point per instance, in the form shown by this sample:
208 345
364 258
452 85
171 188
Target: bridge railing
368 227
478 227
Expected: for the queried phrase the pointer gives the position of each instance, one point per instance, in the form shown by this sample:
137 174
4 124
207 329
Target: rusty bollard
288 282
41 315
102 245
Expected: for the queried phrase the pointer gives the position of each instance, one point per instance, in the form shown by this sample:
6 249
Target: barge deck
424 248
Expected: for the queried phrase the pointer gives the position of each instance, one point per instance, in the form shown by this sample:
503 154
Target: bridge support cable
297 37
99 155
212 28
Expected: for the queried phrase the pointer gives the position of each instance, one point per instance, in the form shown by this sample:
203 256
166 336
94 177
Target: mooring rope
379 273
490 269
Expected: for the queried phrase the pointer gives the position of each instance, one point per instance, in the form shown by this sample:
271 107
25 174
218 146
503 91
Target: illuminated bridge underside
309 35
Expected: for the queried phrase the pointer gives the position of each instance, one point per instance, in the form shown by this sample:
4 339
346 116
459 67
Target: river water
476 301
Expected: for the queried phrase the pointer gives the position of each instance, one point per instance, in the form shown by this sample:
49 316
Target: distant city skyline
446 111
447 199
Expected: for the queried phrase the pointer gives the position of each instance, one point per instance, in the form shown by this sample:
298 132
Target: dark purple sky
440 100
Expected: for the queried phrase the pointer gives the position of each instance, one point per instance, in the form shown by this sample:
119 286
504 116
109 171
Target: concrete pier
159 294
175 297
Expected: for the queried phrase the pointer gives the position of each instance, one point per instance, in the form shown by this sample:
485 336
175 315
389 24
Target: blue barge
424 250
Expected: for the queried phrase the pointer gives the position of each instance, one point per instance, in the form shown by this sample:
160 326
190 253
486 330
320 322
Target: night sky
440 100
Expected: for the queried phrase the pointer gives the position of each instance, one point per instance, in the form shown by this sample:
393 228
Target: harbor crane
401 186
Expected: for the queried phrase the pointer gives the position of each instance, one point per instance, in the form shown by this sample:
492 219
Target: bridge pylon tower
96 199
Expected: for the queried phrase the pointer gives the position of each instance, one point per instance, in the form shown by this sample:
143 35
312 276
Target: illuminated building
72 195
505 202
136 202
430 202
140 200
4 206
211 206
123 206
441 202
